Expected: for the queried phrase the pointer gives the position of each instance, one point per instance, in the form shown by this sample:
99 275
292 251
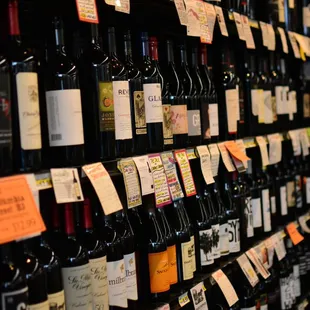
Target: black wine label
5 110
16 300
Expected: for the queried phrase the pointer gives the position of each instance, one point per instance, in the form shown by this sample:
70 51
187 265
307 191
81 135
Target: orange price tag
87 11
19 215
295 236
235 151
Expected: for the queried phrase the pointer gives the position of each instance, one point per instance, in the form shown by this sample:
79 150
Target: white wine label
99 281
248 213
283 198
41 306
28 110
193 253
232 109
153 103
187 264
266 210
57 300
179 119
297 289
131 276
117 284
247 269
224 239
275 148
194 123
216 247
273 205
205 163
205 244
64 117
77 287
199 297
234 235
257 212
122 111
290 191
214 119
15 300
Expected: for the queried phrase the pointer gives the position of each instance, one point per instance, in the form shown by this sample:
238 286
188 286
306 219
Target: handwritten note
205 162
294 234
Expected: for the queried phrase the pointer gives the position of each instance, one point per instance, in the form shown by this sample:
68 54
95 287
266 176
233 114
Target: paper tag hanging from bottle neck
225 157
122 6
252 255
240 159
132 186
161 188
264 29
145 173
193 22
249 40
211 18
294 44
87 11
294 135
239 25
263 150
271 38
205 162
283 40
247 269
242 149
215 158
184 300
186 172
279 245
275 148
179 4
172 176
221 20
294 234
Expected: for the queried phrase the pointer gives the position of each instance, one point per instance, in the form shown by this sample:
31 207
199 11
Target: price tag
146 178
186 172
193 21
205 162
275 148
304 139
234 150
283 40
263 150
67 186
242 148
87 11
199 297
43 181
293 41
162 194
279 246
262 253
265 34
303 43
215 158
191 154
270 250
122 6
184 300
294 234
252 255
19 214
172 176
247 32
226 287
303 223
211 18
221 20
104 187
239 26
132 186
247 269
271 38
225 157
204 27
294 135
179 4
110 2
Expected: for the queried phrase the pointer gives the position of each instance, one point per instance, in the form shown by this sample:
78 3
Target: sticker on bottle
184 300
179 119
257 212
247 269
145 173
205 163
87 11
205 243
153 103
234 235
199 297
15 299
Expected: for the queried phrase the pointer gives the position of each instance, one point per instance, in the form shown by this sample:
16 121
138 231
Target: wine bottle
13 286
137 99
6 160
266 202
121 101
75 267
153 99
277 90
97 258
25 99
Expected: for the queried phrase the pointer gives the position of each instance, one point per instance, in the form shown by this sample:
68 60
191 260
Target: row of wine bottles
109 109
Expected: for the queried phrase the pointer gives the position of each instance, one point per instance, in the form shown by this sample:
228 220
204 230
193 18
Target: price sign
19 215
87 11
294 234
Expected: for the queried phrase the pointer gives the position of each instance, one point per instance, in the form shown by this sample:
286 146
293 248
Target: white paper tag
215 158
303 223
247 32
204 27
265 35
283 40
253 256
122 6
268 113
211 18
279 246
241 146
104 187
232 108
199 297
145 173
239 25
263 150
67 186
179 4
304 139
303 43
275 148
205 162
225 157
193 22
247 269
295 138
294 44
271 38
221 20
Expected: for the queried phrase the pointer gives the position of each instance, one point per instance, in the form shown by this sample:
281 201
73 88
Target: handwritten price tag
19 215
295 236
87 11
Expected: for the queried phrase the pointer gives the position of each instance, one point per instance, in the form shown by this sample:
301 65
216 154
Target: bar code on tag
56 137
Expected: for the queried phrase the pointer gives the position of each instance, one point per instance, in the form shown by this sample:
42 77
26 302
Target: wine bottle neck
128 47
170 54
59 38
154 49
145 48
112 42
14 29
226 60
183 56
203 56
55 217
194 57
95 34
88 222
69 222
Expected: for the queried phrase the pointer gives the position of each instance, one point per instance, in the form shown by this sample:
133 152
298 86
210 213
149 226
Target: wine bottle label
77 287
273 205
285 97
302 265
279 99
194 123
41 306
216 247
179 119
187 260
172 259
122 111
266 210
159 272
232 109
307 183
106 106
290 191
224 239
306 99
99 282
268 111
15 300
306 16
5 110
297 289
117 283
28 110
193 253
285 293
257 212
64 115
153 103
139 106
255 99
274 108
234 235
167 125
248 214
57 300
131 276
214 120
205 244
298 191
283 198
292 288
